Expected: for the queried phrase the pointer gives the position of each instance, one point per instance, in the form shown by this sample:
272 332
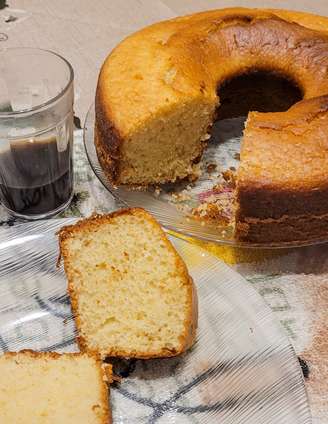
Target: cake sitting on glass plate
161 89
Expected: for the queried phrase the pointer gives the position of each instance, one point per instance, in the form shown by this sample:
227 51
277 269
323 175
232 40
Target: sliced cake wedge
131 292
48 388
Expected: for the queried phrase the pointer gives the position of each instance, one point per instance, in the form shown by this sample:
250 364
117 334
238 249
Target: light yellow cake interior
132 293
43 390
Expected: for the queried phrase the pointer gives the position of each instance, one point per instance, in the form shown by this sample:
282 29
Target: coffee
35 176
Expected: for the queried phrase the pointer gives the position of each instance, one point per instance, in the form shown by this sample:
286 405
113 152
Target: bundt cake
158 95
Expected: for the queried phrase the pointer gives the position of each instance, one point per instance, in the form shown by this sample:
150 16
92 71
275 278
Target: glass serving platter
242 368
173 204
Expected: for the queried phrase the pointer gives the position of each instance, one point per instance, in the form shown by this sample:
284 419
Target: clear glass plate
172 204
242 368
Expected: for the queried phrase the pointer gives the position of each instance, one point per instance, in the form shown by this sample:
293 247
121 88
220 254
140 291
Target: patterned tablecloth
293 282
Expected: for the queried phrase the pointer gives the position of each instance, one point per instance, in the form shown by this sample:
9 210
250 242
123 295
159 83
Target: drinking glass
36 132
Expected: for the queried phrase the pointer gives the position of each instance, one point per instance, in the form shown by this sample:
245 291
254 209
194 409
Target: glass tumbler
36 132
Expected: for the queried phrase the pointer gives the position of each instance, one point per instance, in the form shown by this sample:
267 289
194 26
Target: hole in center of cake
261 91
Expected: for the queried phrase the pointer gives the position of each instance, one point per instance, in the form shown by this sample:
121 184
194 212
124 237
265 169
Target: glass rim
53 99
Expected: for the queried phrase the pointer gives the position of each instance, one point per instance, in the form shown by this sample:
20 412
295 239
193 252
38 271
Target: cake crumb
157 191
211 167
205 137
230 177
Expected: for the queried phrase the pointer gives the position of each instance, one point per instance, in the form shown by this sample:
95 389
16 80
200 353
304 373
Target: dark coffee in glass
36 132
35 177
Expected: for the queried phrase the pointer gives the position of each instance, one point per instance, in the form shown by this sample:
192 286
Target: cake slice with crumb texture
131 292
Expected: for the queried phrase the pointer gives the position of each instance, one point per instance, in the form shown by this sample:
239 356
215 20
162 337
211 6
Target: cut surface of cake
131 292
48 388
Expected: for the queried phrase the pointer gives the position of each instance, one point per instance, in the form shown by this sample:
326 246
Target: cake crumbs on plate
217 204
215 211
180 197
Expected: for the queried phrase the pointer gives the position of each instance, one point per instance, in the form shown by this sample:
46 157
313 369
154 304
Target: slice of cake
131 292
47 388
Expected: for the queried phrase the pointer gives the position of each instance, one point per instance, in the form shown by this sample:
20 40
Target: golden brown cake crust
288 229
108 152
87 224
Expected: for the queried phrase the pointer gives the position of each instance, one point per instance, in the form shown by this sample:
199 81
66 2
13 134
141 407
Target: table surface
293 282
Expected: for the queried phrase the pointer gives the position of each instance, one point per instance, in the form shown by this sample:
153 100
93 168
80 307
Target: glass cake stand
178 206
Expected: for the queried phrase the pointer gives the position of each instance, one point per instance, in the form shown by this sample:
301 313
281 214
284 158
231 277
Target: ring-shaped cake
158 95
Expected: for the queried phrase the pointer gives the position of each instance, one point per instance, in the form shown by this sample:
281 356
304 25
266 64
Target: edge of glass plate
187 230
